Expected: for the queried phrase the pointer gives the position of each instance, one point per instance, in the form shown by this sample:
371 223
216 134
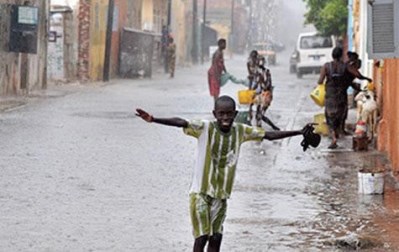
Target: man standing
164 47
216 70
171 51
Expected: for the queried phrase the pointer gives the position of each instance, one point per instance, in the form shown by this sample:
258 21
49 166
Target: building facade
25 70
376 36
146 16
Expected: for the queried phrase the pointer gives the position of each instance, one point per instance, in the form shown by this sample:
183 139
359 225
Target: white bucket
371 183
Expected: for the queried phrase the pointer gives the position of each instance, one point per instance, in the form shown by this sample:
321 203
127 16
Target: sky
292 21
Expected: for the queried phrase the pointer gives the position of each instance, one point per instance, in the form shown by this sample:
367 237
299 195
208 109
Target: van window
312 42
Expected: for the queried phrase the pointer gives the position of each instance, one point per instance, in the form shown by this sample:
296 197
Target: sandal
333 146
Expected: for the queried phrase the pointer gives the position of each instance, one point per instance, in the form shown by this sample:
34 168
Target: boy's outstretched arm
274 135
176 122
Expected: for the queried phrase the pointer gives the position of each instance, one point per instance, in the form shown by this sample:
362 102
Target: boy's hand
308 128
144 115
310 138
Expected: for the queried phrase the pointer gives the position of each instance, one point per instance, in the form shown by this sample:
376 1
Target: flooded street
79 172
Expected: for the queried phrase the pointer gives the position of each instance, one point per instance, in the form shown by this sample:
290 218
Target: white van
313 51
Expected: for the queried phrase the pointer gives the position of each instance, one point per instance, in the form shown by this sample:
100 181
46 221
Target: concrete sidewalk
13 102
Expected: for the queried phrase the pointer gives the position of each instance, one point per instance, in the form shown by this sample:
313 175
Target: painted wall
160 15
133 19
141 15
147 15
70 45
61 57
119 18
386 80
55 56
92 29
388 130
179 30
98 29
22 73
83 40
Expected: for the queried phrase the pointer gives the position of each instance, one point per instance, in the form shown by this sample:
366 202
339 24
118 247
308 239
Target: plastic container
318 95
371 183
321 127
246 96
361 128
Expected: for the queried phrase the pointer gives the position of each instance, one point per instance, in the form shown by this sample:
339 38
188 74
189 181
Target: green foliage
328 16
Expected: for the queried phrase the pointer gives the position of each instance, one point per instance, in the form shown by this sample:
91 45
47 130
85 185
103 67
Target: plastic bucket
321 127
246 96
371 183
318 94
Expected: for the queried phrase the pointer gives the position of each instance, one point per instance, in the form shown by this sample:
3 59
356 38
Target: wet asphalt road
79 172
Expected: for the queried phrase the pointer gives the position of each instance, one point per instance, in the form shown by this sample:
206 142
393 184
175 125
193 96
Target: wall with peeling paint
98 29
22 73
388 130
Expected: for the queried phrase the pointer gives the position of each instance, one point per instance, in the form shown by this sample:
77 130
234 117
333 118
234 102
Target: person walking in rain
252 67
218 149
355 63
339 76
164 47
216 70
171 51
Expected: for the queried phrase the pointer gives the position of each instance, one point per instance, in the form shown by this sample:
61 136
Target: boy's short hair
225 99
220 41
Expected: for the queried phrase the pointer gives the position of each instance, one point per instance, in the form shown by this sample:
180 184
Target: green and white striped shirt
217 155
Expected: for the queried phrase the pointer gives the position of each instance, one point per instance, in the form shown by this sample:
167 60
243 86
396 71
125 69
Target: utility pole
46 19
194 51
108 41
169 14
232 25
203 49
250 31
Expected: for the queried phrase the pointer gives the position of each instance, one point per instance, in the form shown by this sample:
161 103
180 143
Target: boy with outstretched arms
218 149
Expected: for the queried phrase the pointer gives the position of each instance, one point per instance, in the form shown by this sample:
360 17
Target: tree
328 16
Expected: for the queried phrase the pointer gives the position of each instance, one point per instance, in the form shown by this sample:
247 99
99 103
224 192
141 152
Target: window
314 42
383 24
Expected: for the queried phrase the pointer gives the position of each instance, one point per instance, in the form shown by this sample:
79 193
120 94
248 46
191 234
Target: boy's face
225 113
222 45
